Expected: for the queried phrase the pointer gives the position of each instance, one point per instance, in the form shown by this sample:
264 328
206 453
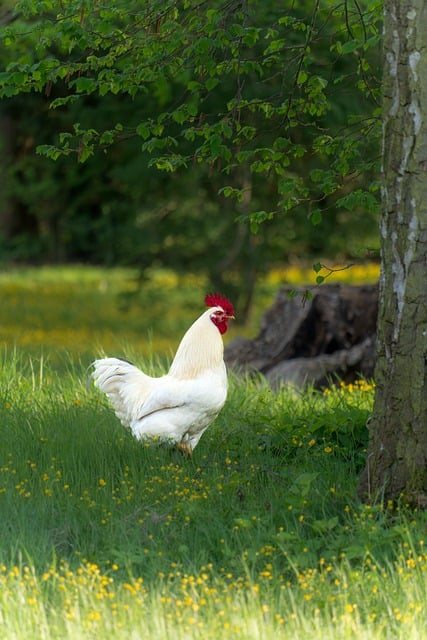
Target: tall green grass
259 536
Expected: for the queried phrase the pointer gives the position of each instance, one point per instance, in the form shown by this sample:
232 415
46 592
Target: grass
259 536
82 311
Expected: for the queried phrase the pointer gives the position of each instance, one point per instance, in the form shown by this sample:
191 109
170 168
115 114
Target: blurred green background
115 246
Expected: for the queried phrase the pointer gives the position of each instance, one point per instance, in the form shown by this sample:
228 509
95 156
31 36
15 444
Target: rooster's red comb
218 300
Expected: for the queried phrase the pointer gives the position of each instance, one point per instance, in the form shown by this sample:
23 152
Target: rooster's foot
185 449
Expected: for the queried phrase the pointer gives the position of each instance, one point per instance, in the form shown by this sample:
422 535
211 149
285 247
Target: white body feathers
180 405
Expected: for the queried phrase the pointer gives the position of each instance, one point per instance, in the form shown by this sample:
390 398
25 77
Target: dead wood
312 341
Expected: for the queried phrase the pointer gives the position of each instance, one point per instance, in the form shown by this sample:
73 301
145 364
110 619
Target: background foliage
252 111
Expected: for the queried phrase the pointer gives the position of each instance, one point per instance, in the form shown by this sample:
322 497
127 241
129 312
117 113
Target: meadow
259 536
82 311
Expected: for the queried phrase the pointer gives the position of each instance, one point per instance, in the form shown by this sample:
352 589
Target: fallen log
312 341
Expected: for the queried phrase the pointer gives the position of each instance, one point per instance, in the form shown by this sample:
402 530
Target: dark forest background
118 208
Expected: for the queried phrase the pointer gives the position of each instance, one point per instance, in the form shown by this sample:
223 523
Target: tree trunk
6 204
396 466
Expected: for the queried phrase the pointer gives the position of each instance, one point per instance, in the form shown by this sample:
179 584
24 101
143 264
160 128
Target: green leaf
211 83
316 217
302 485
326 524
302 77
350 46
360 198
85 85
49 151
194 86
85 152
143 131
107 138
254 227
232 192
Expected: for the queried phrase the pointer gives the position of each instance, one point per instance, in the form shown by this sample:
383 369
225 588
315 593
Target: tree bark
6 153
396 466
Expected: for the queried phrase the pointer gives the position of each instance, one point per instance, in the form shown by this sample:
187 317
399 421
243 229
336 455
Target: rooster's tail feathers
125 385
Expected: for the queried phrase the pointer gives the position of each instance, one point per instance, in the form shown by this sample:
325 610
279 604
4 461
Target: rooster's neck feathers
201 348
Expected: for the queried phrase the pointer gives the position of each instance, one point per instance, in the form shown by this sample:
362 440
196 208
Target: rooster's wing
165 407
126 386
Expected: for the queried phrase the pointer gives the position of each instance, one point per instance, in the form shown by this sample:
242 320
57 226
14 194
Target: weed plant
258 536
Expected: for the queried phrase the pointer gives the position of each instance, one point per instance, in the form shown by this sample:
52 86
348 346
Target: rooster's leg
185 449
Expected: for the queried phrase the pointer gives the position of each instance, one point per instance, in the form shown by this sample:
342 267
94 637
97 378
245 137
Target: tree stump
329 336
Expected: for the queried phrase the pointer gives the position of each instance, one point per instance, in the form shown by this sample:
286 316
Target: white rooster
179 406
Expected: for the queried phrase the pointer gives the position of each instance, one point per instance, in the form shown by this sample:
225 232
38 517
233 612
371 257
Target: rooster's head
222 310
